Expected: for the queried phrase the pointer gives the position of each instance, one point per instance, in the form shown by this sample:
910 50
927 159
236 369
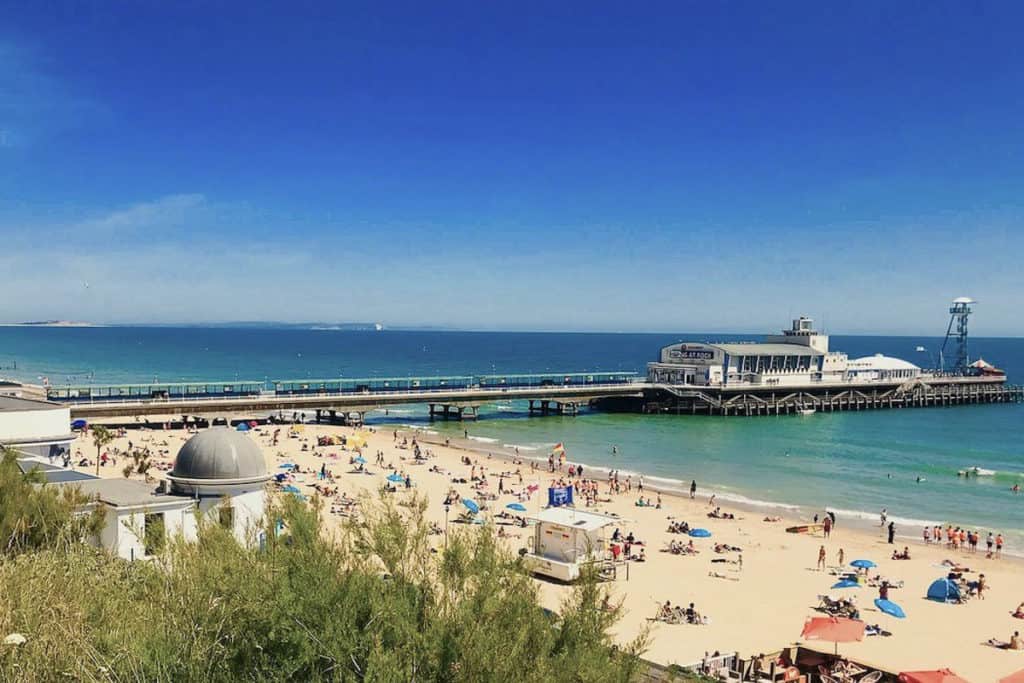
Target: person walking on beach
841 558
892 531
883 517
826 526
693 488
821 559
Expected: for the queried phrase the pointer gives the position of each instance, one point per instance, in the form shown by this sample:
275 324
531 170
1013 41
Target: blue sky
676 166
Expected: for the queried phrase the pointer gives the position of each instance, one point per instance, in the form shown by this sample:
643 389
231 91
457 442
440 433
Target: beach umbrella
890 608
397 478
254 424
863 564
700 533
79 424
518 507
833 629
290 488
1013 678
939 676
286 466
360 459
242 427
471 505
846 583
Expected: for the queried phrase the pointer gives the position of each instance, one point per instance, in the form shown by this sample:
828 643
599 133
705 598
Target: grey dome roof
219 455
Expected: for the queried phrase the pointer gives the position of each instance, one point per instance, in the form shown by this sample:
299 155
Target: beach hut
944 590
566 540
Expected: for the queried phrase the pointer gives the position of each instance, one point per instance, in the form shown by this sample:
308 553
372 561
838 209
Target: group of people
681 615
961 539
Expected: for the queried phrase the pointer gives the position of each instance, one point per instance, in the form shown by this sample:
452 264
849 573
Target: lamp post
447 507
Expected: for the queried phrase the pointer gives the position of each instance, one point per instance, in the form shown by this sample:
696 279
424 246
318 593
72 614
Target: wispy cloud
165 213
35 104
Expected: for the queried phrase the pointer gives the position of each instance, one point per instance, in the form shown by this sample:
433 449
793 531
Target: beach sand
759 609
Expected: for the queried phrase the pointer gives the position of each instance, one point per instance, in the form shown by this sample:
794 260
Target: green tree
34 515
101 436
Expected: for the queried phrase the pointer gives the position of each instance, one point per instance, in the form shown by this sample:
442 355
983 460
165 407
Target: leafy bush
373 603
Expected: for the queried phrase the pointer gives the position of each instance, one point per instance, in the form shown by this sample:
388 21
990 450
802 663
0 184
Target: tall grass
373 603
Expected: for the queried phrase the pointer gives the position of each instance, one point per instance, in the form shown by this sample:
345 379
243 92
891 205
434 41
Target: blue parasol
79 424
291 489
700 533
360 459
285 466
397 478
242 427
846 583
863 564
890 608
518 507
471 505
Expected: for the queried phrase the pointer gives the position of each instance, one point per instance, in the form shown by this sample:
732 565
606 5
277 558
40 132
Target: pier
748 402
461 397
348 401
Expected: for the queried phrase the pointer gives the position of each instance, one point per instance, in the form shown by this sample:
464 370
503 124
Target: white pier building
800 356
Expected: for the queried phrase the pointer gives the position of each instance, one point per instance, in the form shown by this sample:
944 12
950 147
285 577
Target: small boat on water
806 411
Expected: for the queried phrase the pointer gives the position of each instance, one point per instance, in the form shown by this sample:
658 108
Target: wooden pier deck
748 401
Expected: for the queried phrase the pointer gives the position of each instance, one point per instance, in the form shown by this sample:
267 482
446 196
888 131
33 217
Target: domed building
219 471
223 470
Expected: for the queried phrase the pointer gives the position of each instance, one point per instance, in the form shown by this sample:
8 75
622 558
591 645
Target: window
153 533
226 516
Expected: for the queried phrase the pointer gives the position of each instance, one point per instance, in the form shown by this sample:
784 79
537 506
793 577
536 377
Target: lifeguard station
566 539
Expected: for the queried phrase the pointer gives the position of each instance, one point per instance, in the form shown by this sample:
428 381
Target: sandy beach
757 607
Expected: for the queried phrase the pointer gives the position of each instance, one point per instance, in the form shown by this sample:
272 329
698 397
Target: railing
312 397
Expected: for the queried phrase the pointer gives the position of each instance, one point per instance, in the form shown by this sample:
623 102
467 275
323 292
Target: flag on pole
559 448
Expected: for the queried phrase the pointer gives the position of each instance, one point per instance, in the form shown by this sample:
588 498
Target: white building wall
30 425
249 508
124 530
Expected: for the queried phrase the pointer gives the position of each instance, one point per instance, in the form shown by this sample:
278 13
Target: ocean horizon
854 463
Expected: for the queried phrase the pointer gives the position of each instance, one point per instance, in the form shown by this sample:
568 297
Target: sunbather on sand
1016 643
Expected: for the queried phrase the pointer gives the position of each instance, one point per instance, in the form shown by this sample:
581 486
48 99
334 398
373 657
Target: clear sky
704 166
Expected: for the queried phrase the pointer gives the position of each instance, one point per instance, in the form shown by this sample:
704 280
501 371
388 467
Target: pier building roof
881 362
759 349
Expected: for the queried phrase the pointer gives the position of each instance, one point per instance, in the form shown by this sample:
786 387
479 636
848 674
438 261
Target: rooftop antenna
959 312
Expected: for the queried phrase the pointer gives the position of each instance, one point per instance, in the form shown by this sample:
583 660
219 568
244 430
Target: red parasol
833 629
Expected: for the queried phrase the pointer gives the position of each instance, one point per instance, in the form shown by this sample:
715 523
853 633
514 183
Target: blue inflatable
944 590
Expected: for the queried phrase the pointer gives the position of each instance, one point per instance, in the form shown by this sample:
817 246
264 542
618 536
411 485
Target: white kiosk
566 539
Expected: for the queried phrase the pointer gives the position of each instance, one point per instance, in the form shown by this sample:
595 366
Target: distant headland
51 323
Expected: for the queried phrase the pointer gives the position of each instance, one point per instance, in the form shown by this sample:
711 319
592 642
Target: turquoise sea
853 463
